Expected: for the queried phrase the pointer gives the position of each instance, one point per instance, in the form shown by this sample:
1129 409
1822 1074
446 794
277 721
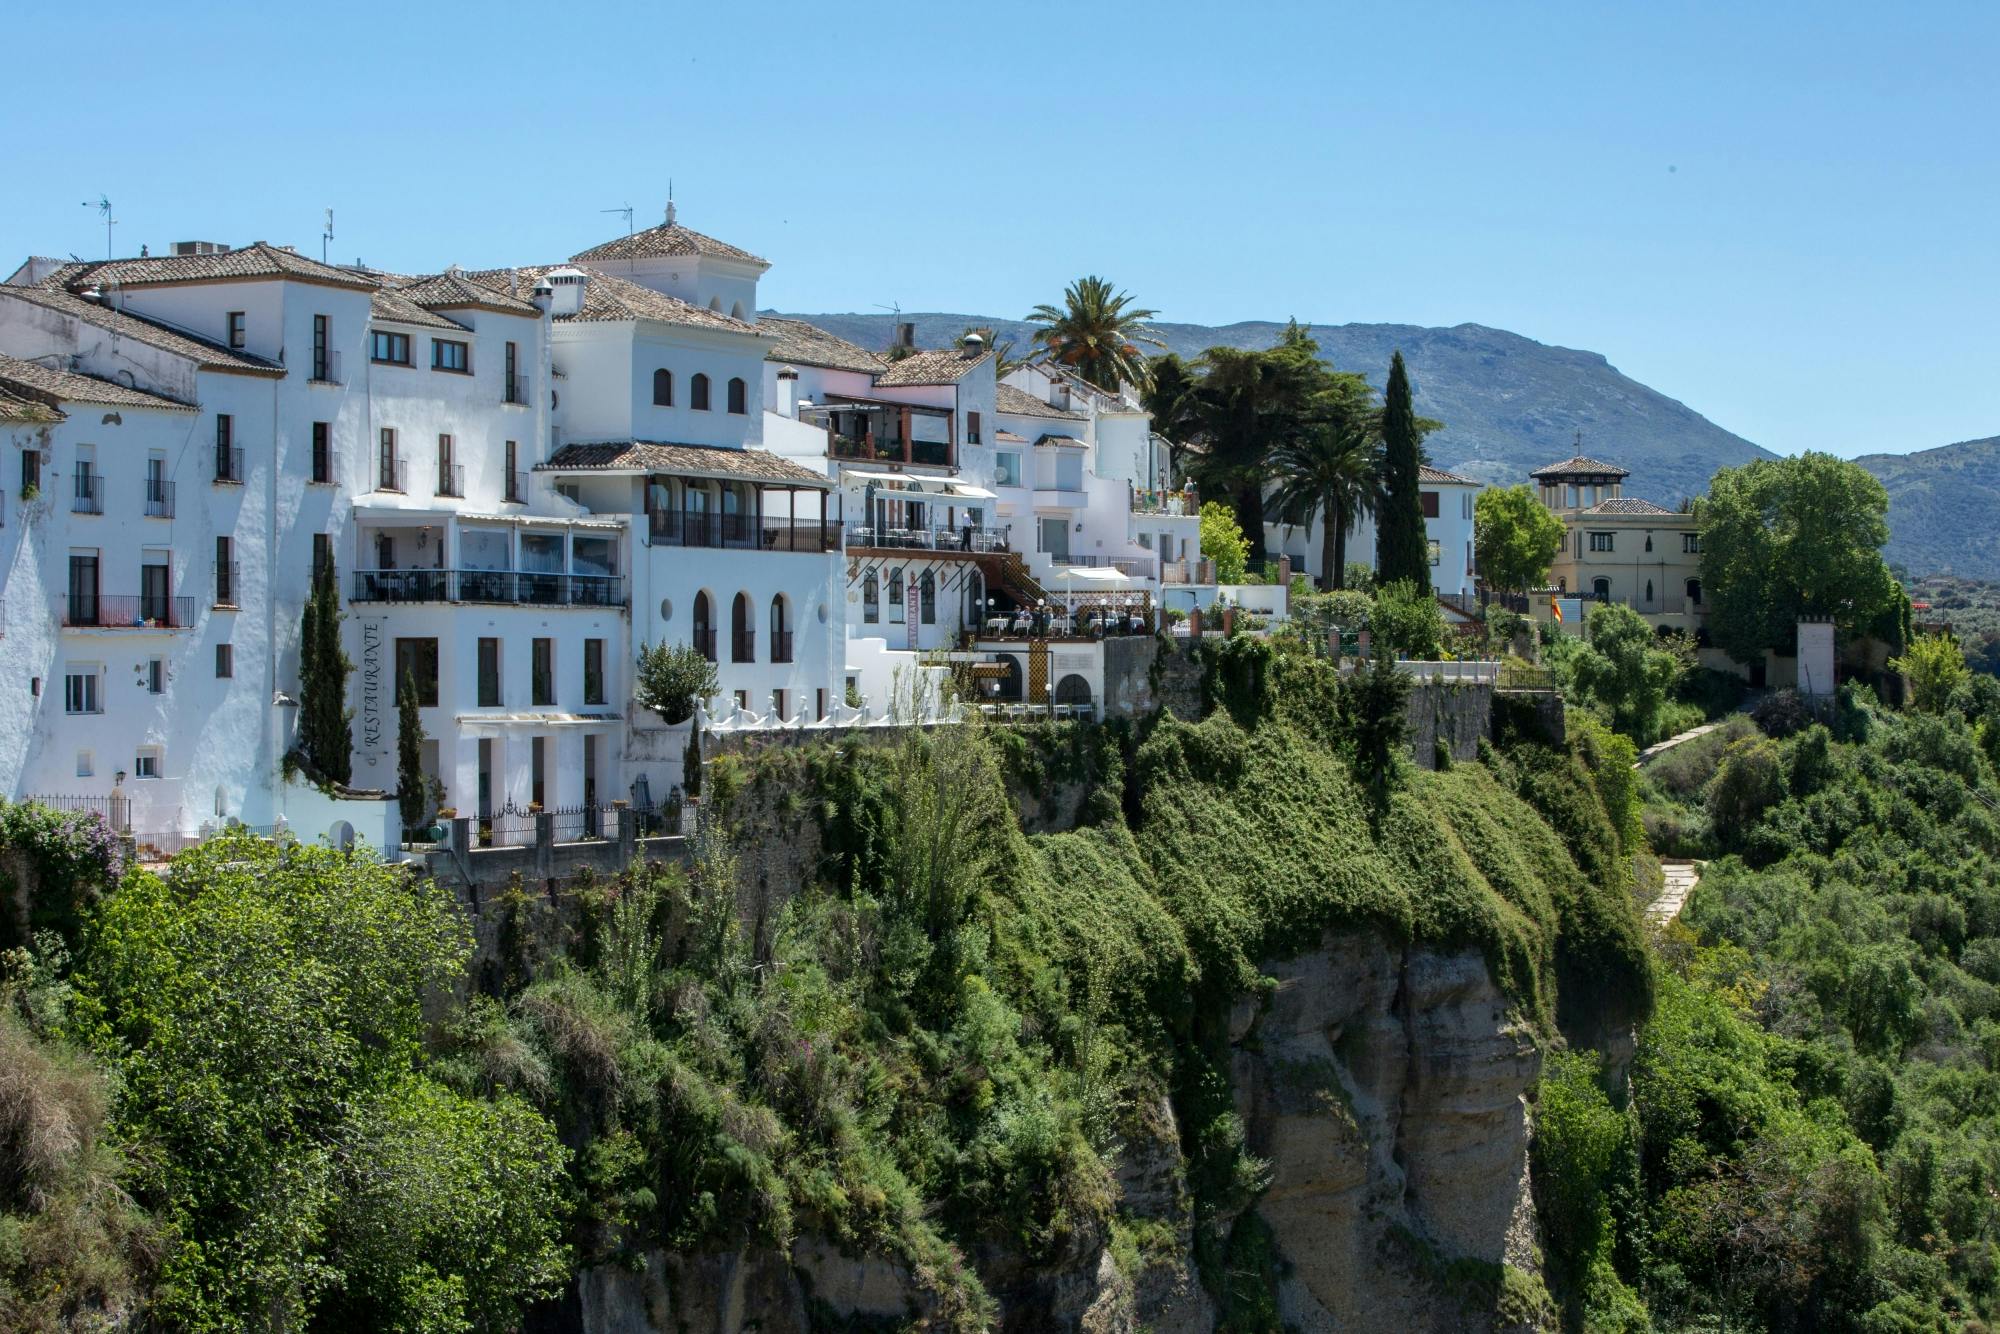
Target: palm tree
1096 334
1332 471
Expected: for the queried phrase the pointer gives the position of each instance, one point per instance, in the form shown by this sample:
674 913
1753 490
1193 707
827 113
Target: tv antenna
103 205
627 211
326 236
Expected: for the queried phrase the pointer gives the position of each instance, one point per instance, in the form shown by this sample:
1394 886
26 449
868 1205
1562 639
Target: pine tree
324 718
412 788
1402 550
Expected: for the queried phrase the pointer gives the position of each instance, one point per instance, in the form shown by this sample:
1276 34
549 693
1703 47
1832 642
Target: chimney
974 345
906 335
566 285
788 392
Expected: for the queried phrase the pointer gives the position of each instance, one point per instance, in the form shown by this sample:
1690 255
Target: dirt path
1682 877
1660 747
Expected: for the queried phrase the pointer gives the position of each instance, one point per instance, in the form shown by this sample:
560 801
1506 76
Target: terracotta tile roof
1053 439
1426 473
208 356
667 239
610 298
946 365
1009 438
1631 505
759 465
386 303
802 344
452 290
1020 403
26 411
28 380
252 261
1579 467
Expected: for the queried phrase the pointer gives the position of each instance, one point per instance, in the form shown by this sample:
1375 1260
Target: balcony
519 587
159 494
94 611
229 465
1171 504
960 539
514 389
325 368
89 494
392 474
451 480
740 532
517 488
227 586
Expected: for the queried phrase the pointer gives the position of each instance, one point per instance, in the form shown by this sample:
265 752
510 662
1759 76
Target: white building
1448 523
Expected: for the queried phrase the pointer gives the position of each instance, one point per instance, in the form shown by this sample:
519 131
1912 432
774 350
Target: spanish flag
1555 605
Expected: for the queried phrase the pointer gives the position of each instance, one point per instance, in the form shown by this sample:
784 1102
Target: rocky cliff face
1387 1086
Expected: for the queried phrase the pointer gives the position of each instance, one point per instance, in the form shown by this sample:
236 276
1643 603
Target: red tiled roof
759 465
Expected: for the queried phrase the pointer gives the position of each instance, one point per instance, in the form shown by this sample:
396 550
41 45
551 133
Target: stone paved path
1681 879
1659 747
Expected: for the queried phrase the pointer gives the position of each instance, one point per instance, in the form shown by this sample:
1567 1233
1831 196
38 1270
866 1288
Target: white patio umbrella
1095 579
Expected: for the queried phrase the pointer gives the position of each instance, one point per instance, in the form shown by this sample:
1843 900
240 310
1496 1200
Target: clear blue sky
1783 214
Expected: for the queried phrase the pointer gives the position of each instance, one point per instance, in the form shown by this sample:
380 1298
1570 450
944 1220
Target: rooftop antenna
103 205
326 236
627 211
670 201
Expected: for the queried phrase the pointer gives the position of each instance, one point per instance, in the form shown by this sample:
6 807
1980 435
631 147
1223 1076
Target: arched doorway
1601 589
1072 689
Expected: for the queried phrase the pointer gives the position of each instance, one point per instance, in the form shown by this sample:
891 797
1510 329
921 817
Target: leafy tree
1407 620
1330 471
1787 538
413 789
1402 549
1095 333
1517 538
1172 399
1375 722
264 1010
1936 668
671 678
1222 541
325 732
1626 670
1247 404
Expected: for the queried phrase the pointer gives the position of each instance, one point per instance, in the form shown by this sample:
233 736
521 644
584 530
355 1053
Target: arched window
1072 689
742 638
1601 589
704 626
896 612
739 396
1694 591
871 599
698 393
781 630
1649 592
663 388
1649 541
927 599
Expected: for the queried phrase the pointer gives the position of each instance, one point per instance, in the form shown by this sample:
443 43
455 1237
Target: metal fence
115 811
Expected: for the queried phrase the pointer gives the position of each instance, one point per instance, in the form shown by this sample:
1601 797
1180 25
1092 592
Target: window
225 661
1435 557
1430 503
417 663
871 599
85 765
538 768
896 610
593 671
819 703
927 598
1570 496
489 673
515 491
516 392
228 458
225 572
159 491
971 428
1601 589
393 348
449 354
156 676
1007 469
146 764
322 368
739 397
31 472
781 630
154 569
82 609
698 393
1694 591
390 476
80 691
450 475
1649 541
704 626
235 328
1690 544
1600 541
742 638
322 551
322 459
1649 592
778 705
542 671
663 388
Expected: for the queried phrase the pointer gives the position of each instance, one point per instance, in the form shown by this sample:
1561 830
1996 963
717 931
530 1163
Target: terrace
869 431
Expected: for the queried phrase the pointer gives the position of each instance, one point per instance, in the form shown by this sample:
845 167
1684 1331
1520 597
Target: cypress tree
324 717
411 787
1402 551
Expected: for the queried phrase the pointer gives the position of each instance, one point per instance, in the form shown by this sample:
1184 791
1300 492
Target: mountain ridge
1944 507
1509 403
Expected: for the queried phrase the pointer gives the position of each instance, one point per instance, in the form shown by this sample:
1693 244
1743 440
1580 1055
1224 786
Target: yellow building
1618 548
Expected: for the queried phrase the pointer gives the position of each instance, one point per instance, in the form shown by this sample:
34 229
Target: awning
1095 574
970 491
